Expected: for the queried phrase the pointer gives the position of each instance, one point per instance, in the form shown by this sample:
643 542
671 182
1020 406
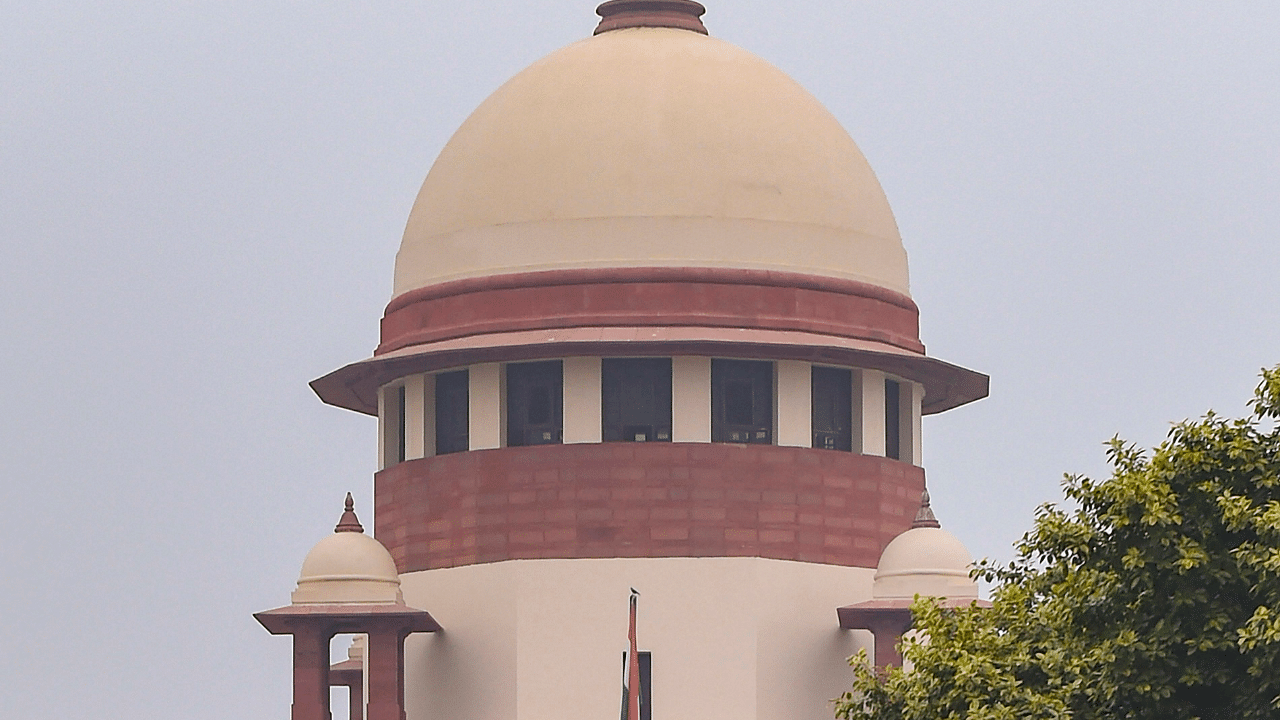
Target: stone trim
680 14
649 297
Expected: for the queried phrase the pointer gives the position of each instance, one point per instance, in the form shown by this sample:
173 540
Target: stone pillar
691 399
794 417
415 414
887 636
582 400
311 673
355 701
872 409
429 415
484 396
916 411
385 418
385 663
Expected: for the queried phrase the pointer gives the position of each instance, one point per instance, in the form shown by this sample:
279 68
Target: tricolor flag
631 669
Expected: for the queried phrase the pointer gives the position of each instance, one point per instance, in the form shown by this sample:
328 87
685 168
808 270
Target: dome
650 191
925 560
348 567
653 147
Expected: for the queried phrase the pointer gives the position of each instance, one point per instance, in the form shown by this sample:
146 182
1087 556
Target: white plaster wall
799 639
732 638
582 400
469 670
872 412
415 415
484 406
691 399
794 393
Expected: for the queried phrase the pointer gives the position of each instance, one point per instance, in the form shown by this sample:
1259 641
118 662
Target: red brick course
639 297
643 500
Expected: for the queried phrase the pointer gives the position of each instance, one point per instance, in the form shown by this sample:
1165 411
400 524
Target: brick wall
644 500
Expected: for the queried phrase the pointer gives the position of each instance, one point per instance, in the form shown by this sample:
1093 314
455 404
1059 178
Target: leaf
1155 598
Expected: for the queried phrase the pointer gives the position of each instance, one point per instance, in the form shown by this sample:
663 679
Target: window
636 400
646 687
535 403
893 419
742 401
452 412
401 438
832 405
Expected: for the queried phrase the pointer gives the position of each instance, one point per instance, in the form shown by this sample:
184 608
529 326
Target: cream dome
926 561
651 147
348 567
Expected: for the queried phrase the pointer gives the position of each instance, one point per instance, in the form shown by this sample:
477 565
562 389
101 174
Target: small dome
651 146
348 567
925 560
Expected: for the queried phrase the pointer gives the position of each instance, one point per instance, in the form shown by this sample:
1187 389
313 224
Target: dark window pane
646 683
452 412
892 420
636 400
832 408
400 429
539 405
535 403
742 401
738 406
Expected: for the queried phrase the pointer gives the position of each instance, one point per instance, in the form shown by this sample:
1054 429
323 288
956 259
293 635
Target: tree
1156 596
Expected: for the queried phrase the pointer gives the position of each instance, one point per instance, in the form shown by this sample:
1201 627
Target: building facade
651 328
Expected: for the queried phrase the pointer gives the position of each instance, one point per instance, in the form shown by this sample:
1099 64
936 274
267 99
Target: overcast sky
200 204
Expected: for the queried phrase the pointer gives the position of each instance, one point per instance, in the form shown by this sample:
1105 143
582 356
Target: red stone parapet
644 500
645 297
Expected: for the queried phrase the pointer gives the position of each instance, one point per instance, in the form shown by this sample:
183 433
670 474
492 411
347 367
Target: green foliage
1156 598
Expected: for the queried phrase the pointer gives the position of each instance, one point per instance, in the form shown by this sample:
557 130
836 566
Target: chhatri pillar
348 584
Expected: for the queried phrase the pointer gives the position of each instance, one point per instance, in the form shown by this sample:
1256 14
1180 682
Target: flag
631 669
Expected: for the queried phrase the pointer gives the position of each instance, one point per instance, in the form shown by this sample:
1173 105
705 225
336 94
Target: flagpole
631 708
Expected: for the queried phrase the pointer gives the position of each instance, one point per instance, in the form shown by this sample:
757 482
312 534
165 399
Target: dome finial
925 517
682 14
349 522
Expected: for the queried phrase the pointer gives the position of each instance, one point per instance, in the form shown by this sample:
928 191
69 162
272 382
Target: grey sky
200 204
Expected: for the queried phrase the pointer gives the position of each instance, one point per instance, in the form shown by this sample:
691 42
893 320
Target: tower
651 327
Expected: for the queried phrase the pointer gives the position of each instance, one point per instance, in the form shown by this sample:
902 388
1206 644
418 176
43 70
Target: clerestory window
535 403
636 399
453 412
893 419
742 401
832 408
